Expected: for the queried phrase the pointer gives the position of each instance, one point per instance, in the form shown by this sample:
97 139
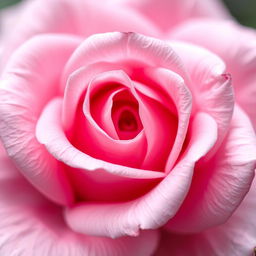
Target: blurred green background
243 10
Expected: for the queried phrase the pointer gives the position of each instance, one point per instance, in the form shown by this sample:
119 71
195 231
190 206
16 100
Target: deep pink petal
28 82
79 17
166 14
160 127
175 88
93 179
31 225
155 208
220 184
236 46
95 141
64 151
76 85
236 237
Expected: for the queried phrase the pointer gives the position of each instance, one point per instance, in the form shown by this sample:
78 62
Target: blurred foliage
243 10
6 3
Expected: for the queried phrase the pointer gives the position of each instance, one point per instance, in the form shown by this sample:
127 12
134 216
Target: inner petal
93 133
125 116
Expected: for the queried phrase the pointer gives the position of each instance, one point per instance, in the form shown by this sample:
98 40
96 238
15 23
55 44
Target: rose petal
154 117
220 184
155 208
160 128
210 85
236 237
95 142
31 225
26 86
65 152
80 17
166 14
125 50
236 46
94 178
77 84
174 86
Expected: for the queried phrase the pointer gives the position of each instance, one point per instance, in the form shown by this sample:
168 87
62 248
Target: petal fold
220 184
235 44
27 83
236 237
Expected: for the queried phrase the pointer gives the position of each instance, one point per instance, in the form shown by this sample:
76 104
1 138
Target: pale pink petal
210 85
31 225
166 14
236 46
155 208
220 184
236 237
80 17
128 51
28 82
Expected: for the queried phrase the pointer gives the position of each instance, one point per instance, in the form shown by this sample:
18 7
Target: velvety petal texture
210 85
32 225
216 192
236 46
28 82
235 237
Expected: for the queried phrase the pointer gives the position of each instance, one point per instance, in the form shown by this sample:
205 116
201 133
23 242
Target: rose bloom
127 130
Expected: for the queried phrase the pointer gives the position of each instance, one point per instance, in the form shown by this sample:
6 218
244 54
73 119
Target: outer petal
220 184
166 14
236 237
156 207
80 17
128 50
210 85
236 46
31 225
28 82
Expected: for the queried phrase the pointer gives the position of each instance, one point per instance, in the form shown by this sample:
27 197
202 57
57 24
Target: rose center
125 116
127 121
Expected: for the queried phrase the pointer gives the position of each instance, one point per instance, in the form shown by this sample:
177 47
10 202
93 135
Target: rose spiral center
127 122
125 116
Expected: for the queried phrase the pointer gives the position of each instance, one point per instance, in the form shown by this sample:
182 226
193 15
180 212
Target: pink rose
136 142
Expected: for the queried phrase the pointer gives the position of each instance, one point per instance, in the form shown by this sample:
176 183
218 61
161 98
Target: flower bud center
127 121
